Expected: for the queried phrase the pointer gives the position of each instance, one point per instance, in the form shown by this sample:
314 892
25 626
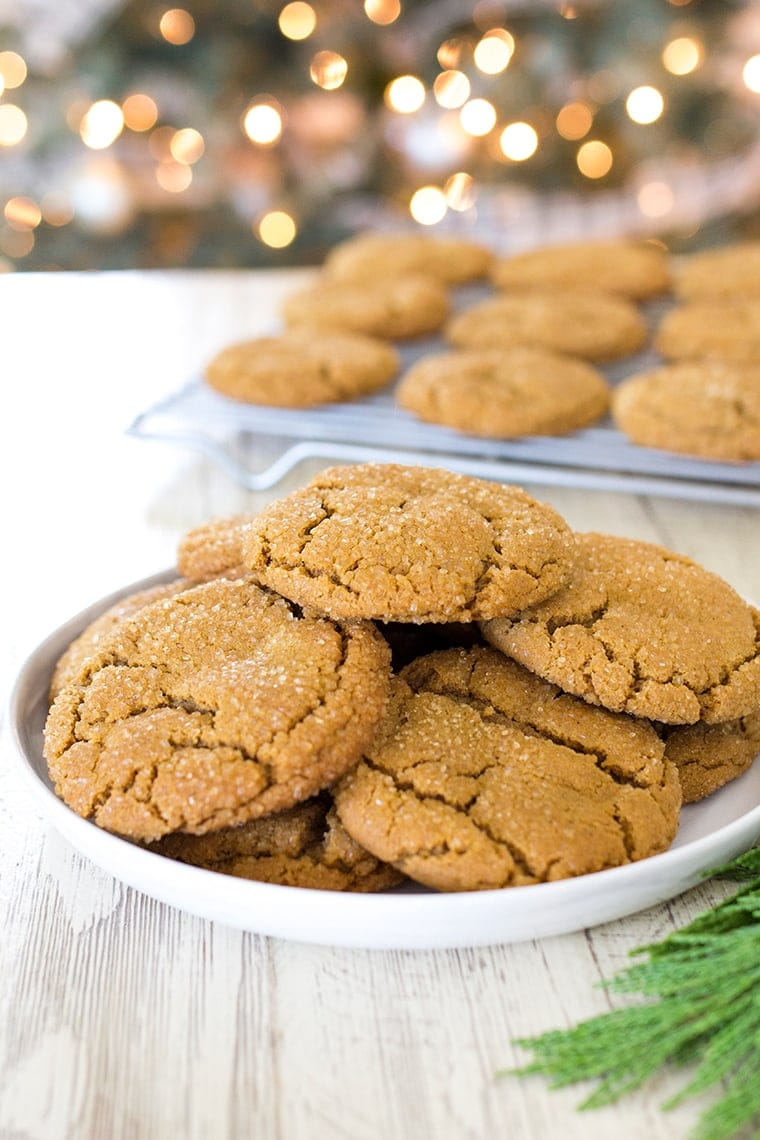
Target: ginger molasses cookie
90 640
484 776
709 408
414 544
710 755
305 846
212 708
626 267
371 255
728 329
642 630
592 325
730 271
503 393
300 369
395 308
214 548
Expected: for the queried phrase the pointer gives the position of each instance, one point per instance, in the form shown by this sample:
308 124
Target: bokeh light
276 229
12 69
478 117
682 55
451 89
406 94
22 213
57 209
297 20
328 69
594 159
382 12
518 141
459 191
494 51
655 199
645 105
13 124
101 124
187 145
263 123
140 112
751 74
177 26
428 205
574 120
174 177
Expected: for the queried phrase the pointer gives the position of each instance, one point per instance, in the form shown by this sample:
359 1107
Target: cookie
302 368
452 261
305 846
213 708
214 548
642 630
396 308
414 544
504 393
625 267
483 776
709 408
728 329
592 325
710 755
88 642
731 271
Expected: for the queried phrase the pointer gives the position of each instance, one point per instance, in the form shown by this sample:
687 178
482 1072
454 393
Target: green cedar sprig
704 982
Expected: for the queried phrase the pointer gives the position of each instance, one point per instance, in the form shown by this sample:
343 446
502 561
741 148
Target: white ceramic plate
710 833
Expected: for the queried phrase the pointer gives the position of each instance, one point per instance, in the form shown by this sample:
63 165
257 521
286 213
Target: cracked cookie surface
484 776
213 708
505 393
305 846
300 369
710 755
214 548
626 268
370 255
591 325
387 307
401 543
642 630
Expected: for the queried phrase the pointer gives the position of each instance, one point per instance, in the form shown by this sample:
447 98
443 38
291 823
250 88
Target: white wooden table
125 1019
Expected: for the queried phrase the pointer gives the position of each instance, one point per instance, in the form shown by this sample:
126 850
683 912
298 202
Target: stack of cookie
400 671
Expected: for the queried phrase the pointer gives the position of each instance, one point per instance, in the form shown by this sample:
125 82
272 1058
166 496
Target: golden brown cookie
728 329
214 548
89 642
503 393
642 630
484 776
212 708
396 308
730 271
710 755
709 408
305 846
409 544
368 256
626 267
592 325
302 368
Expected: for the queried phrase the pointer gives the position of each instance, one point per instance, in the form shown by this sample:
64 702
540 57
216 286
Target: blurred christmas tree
247 132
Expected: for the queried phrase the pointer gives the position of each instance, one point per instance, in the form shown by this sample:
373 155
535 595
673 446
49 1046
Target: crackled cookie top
504 393
628 268
91 639
710 755
390 307
403 543
305 846
370 255
642 630
302 368
729 329
701 407
213 708
484 776
730 271
213 548
592 325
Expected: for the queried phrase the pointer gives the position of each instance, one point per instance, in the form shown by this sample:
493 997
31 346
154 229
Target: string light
263 123
328 70
428 205
451 89
459 191
594 159
12 69
751 74
177 26
13 124
22 213
102 124
297 20
682 55
450 53
644 105
494 51
518 141
478 117
574 120
405 94
140 112
382 11
276 229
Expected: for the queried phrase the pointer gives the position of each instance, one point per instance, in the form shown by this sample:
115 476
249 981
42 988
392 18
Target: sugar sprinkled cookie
505 393
214 548
728 329
710 755
642 630
483 776
401 543
305 846
709 408
212 708
370 255
592 325
627 268
395 308
300 369
729 271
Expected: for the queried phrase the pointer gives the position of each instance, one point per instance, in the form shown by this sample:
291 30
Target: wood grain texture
124 1019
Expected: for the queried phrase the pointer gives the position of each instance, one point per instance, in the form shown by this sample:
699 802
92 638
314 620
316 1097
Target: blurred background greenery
250 132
